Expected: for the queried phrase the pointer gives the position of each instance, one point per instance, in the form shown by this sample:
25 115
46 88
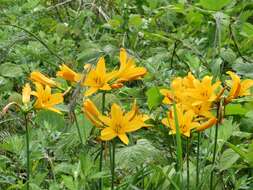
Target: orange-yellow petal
26 93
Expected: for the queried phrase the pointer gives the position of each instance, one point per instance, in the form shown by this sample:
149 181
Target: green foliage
169 38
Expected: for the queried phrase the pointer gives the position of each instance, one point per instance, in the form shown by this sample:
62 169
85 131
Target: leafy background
169 38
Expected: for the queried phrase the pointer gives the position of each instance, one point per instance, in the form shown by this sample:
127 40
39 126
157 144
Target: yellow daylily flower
238 88
204 91
46 100
118 124
37 76
209 123
68 74
92 113
128 70
185 121
97 79
26 93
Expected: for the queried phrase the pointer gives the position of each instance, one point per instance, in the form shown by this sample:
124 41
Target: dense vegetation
180 70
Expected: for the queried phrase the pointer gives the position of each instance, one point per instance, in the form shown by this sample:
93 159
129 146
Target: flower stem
197 167
215 142
113 164
27 152
78 128
187 164
102 147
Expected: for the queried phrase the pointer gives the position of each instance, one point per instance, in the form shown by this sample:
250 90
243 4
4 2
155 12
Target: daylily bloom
118 124
46 100
68 74
97 79
26 93
92 113
128 70
238 88
204 91
36 76
209 123
185 121
178 86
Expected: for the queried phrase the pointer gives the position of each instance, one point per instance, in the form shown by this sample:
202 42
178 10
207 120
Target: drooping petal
207 124
106 120
123 137
108 134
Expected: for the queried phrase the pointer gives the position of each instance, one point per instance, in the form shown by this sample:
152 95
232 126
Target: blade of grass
179 145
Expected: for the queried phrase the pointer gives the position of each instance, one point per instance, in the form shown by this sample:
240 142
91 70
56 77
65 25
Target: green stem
27 153
78 128
187 164
113 164
215 144
179 144
197 167
102 147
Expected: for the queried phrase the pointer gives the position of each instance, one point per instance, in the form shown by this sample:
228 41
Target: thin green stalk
197 167
78 129
27 153
215 144
187 164
179 144
102 147
113 164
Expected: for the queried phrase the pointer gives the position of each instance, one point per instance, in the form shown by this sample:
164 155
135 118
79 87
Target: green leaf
53 119
131 157
11 70
247 30
214 5
5 84
228 158
135 21
245 69
235 109
154 97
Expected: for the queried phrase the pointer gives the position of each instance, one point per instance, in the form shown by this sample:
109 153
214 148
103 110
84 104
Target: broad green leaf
228 158
154 98
69 182
135 21
11 70
53 119
214 5
245 69
5 84
235 109
247 30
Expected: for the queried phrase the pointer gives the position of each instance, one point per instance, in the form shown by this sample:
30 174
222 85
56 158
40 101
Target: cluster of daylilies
196 99
193 100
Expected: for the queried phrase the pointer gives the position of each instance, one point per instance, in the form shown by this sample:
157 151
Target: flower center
117 128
